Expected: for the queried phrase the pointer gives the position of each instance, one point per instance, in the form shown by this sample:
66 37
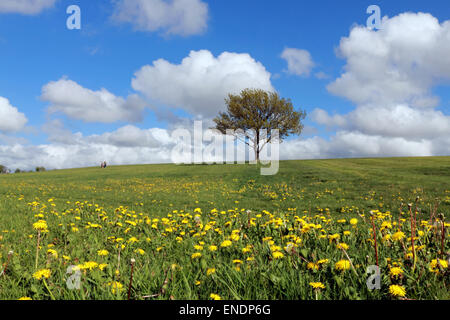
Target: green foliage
124 201
256 110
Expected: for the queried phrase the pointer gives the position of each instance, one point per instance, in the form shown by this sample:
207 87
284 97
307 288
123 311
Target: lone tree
253 115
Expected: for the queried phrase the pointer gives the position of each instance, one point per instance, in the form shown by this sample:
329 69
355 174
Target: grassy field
210 231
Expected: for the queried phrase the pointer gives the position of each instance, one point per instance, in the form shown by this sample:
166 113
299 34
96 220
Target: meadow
226 232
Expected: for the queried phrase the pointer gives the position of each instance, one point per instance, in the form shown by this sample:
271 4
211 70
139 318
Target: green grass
303 192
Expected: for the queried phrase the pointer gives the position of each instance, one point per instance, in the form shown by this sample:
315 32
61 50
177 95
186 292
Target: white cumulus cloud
29 7
299 61
126 145
397 64
80 103
11 120
178 17
389 75
201 82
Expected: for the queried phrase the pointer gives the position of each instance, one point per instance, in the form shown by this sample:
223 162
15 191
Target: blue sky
36 49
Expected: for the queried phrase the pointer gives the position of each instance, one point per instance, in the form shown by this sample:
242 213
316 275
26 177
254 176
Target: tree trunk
257 146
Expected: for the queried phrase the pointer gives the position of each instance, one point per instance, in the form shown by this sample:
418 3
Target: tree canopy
254 113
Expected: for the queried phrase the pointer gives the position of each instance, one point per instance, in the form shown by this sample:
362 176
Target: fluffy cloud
11 120
397 64
179 17
398 121
389 75
131 136
350 144
201 82
80 103
30 7
127 145
299 61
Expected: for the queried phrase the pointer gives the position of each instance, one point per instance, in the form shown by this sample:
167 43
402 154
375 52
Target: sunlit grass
202 232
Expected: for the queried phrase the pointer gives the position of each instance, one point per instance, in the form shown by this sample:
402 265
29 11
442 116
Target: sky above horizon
137 69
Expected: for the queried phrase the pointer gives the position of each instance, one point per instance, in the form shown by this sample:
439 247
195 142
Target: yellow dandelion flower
395 271
342 265
41 225
102 252
53 253
277 255
397 291
317 285
398 236
234 237
196 255
226 243
43 273
342 246
215 296
115 286
140 251
437 264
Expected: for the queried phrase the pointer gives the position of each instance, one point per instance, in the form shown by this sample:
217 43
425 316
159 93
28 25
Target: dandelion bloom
91 265
212 248
25 298
102 252
397 291
317 285
395 272
277 255
398 236
53 253
215 296
210 271
342 246
43 273
435 265
196 255
140 251
342 265
353 221
115 286
40 225
225 244
246 250
312 266
133 240
234 237
334 237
